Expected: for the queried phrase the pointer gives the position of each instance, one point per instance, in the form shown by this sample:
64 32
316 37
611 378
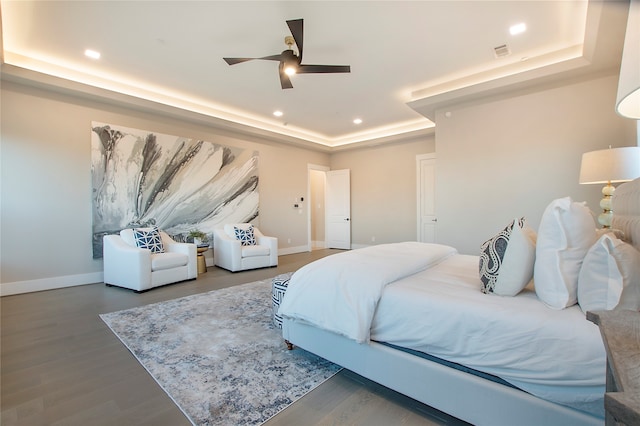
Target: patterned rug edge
147 370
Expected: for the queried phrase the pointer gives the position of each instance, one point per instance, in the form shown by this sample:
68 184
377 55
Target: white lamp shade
628 99
610 165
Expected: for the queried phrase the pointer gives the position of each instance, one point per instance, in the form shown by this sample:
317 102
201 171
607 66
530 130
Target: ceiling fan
290 63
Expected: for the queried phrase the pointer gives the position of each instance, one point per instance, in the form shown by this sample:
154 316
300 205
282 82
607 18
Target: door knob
347 219
434 220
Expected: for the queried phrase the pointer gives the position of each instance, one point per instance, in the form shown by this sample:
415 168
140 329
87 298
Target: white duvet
434 305
554 354
340 293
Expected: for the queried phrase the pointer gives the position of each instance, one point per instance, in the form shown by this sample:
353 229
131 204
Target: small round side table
202 265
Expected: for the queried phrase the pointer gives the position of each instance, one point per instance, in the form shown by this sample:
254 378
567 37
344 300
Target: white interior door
426 185
338 209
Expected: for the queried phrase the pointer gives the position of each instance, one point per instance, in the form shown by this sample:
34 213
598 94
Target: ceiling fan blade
285 81
296 26
233 61
320 69
277 57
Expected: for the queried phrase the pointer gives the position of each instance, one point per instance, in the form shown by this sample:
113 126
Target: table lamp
609 166
628 96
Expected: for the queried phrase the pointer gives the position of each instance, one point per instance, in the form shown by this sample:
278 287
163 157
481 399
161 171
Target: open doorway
316 211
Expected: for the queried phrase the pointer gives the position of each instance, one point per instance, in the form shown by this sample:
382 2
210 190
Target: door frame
311 167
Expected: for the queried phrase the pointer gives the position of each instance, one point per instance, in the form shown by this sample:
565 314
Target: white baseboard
19 287
52 283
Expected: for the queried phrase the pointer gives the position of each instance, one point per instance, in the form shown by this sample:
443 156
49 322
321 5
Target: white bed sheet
554 354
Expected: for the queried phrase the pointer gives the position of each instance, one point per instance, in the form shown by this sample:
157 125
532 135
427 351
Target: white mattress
554 354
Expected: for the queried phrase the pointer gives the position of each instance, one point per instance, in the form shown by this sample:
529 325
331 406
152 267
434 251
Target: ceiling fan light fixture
289 62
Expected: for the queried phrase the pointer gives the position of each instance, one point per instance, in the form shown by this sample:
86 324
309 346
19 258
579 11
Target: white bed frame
463 395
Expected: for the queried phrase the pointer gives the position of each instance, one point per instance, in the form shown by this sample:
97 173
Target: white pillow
506 260
610 276
567 231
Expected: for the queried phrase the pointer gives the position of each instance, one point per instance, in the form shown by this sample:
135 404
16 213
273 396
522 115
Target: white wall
383 190
45 172
510 158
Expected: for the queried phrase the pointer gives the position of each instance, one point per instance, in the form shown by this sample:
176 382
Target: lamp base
606 216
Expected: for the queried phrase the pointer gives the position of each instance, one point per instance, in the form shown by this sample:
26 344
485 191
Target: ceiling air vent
501 51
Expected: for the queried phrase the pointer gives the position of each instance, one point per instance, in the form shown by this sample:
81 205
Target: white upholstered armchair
241 246
127 265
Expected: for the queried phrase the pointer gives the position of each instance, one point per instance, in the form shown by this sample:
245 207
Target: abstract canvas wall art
142 178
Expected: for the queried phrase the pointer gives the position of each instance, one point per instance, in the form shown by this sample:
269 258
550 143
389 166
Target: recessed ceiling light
278 113
357 121
92 54
518 28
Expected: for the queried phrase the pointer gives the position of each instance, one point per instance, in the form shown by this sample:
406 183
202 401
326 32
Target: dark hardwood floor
61 365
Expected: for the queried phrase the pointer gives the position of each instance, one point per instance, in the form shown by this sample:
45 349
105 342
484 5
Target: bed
428 327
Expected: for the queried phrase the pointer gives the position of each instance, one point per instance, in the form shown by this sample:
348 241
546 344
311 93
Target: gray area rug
219 356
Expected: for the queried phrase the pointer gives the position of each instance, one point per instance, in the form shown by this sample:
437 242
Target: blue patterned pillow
507 259
279 287
246 236
149 238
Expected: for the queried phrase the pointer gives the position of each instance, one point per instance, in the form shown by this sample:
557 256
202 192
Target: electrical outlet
288 240
373 239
